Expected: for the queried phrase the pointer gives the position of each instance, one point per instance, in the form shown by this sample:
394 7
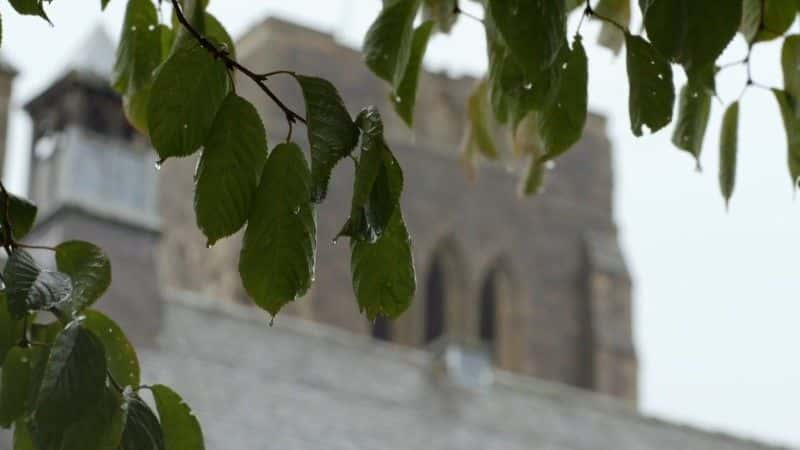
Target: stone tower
93 179
534 286
7 74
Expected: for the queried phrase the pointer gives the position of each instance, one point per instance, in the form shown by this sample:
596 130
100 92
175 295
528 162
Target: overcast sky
716 293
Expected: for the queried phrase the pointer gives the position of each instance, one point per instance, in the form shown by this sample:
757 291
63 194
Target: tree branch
222 54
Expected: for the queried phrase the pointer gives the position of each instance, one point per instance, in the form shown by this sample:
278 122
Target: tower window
435 303
487 318
382 329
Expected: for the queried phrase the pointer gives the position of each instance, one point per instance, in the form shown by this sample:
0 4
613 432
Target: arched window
488 314
495 313
382 329
435 302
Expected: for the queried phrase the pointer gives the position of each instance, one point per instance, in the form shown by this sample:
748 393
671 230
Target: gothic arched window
435 296
495 311
382 329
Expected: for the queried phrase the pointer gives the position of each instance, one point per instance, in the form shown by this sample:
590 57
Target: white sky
716 294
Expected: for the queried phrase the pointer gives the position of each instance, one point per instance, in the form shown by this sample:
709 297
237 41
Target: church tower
7 74
93 178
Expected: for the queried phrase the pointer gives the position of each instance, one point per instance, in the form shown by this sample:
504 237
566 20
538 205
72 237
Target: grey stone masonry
305 386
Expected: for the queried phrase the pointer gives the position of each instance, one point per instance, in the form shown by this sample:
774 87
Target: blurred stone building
520 335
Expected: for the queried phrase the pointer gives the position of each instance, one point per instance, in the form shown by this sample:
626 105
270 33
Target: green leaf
383 272
215 31
563 119
22 436
728 149
652 94
10 328
121 358
694 109
29 288
195 13
692 32
534 177
30 8
792 125
190 88
619 11
751 19
442 12
778 16
480 121
100 428
89 269
764 20
228 172
104 3
377 185
387 45
331 132
16 379
74 378
142 430
533 30
790 61
139 50
405 95
278 253
21 214
181 428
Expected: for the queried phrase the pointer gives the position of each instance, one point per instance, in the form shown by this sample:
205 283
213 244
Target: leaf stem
589 11
225 56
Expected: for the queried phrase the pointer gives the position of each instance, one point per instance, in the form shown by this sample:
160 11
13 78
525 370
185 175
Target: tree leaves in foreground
278 254
728 151
652 94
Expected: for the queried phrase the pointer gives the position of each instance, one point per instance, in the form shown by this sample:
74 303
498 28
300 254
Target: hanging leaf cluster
70 377
534 95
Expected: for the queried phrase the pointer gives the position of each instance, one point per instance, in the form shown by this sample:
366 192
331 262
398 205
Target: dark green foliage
190 88
791 121
278 254
331 132
652 94
180 426
20 213
28 287
692 32
564 116
694 109
728 149
383 272
790 63
533 31
73 380
405 95
30 8
378 182
387 45
16 380
442 12
88 268
227 176
100 428
121 358
10 328
142 431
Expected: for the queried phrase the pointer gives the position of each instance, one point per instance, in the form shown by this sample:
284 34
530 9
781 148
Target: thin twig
225 56
589 11
457 10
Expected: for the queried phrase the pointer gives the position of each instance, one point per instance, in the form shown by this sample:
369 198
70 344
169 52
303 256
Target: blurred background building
520 335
